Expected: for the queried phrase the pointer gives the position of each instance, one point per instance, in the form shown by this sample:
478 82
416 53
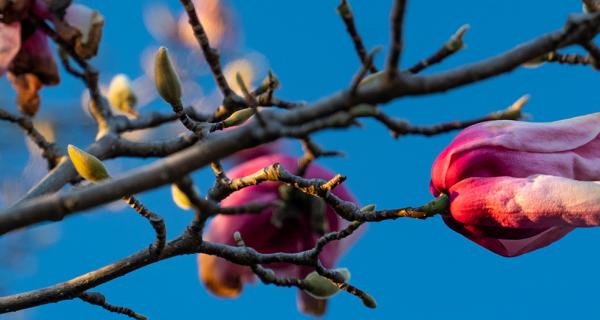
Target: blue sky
415 269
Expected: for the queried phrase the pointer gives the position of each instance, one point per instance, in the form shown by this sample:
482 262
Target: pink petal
509 247
10 43
537 202
568 148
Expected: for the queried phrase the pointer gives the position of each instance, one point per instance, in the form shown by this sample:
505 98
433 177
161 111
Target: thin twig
345 11
155 220
453 45
98 299
397 42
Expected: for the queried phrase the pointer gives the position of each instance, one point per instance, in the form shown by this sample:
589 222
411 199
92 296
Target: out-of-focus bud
218 21
88 166
47 130
180 199
27 86
238 117
320 287
160 22
166 78
121 95
82 27
245 69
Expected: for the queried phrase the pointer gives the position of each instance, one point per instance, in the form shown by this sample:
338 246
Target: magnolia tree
273 217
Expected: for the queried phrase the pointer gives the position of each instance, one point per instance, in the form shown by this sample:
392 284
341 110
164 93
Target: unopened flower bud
121 95
88 166
320 287
238 117
180 199
166 78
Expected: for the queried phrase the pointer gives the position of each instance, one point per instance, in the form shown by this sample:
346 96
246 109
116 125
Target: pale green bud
88 166
238 117
166 78
320 287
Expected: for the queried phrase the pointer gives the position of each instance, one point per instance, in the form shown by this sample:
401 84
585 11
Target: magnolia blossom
516 187
24 50
293 228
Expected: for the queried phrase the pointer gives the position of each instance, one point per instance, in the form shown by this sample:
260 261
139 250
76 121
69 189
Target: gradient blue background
415 269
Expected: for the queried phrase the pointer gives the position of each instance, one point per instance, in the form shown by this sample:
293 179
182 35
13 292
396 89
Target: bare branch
397 41
98 299
453 45
345 11
155 220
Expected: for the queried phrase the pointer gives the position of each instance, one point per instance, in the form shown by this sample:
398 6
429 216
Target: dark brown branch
397 41
98 299
99 107
298 122
569 58
363 71
127 148
400 127
188 243
210 54
155 220
594 53
345 11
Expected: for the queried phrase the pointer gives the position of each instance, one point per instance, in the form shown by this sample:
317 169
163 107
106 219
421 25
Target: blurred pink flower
218 21
294 228
516 187
24 50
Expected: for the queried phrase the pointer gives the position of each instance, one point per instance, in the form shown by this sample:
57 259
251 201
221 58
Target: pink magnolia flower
294 228
516 187
24 50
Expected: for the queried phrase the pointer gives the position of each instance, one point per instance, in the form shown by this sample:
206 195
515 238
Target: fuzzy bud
166 78
121 95
88 166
